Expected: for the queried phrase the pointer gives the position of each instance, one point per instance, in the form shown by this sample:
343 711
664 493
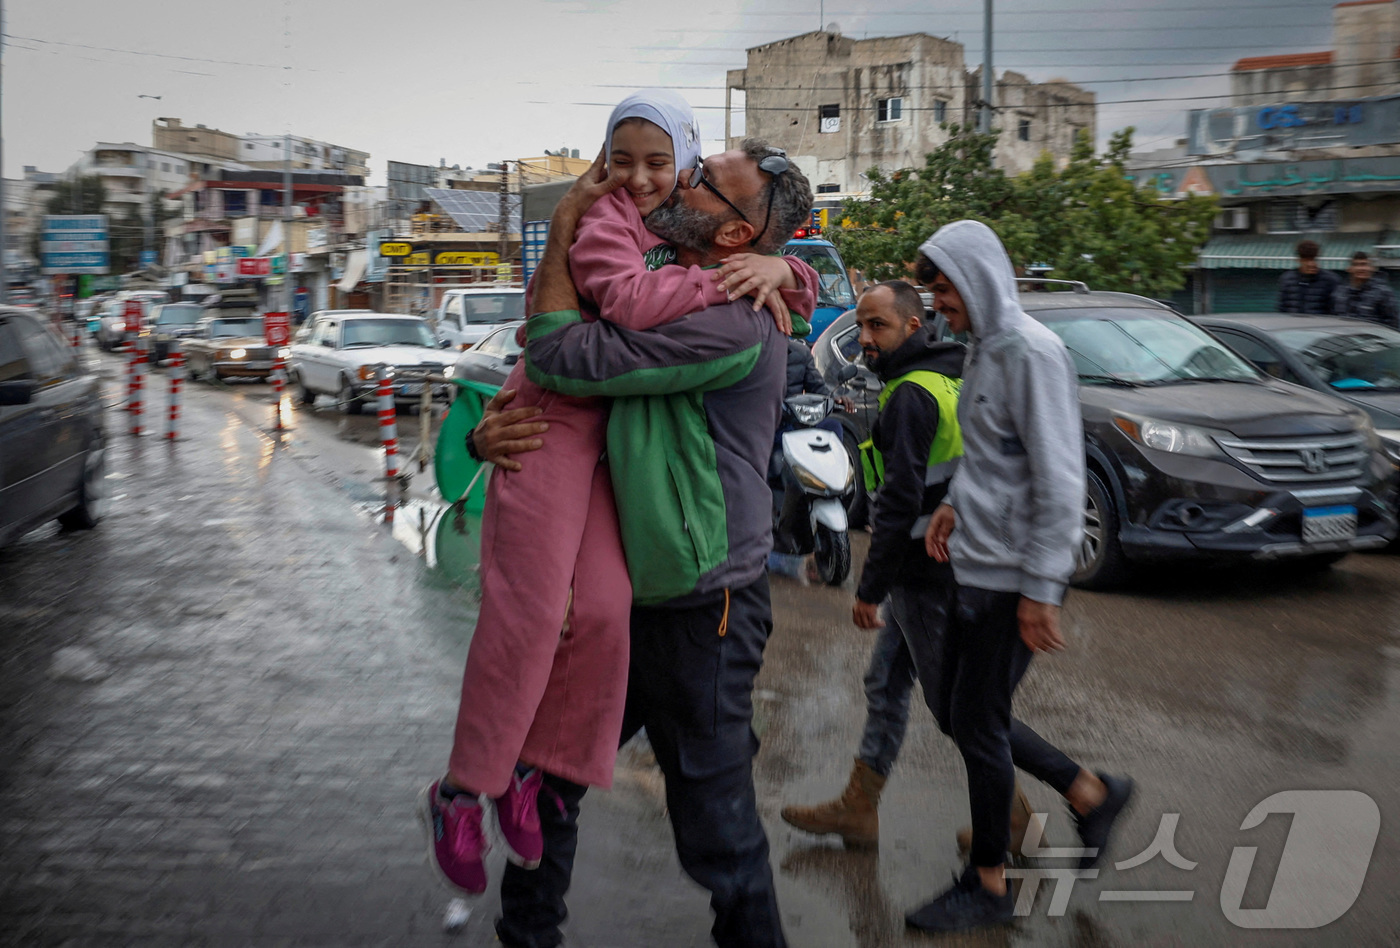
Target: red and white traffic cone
138 385
177 383
278 377
389 435
77 334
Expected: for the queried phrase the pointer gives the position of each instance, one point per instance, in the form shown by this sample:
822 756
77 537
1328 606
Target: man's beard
683 226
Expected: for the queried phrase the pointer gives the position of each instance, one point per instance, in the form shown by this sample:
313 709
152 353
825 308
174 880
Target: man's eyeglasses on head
774 163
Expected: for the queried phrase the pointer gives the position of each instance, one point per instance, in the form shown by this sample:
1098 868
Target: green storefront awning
1276 251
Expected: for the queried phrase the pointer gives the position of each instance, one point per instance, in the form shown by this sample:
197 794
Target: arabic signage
74 243
277 328
254 266
1290 126
1277 178
420 259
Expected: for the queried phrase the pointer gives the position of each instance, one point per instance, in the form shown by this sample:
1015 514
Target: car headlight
237 353
1389 442
807 479
284 352
369 373
1170 436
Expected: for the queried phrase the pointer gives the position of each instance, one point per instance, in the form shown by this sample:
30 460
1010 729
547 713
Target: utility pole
287 221
4 208
984 119
502 247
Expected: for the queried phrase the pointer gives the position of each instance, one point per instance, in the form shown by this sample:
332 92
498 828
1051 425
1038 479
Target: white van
467 314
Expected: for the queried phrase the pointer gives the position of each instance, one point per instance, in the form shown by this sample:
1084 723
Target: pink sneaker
457 846
518 818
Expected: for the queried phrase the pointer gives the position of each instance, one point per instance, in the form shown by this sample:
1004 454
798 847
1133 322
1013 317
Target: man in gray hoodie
1010 523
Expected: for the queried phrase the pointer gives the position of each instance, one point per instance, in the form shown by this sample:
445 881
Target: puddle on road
447 539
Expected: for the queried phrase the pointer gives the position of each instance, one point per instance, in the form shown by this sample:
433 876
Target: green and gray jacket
695 405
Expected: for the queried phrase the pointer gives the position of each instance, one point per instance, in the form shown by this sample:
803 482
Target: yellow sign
822 218
460 258
395 250
504 272
420 259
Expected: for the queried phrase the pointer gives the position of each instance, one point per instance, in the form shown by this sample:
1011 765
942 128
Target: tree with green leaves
1086 221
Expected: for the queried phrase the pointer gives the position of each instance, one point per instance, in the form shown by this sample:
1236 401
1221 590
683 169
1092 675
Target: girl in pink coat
536 700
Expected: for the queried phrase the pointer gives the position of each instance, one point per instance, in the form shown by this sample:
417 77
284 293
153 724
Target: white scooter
815 473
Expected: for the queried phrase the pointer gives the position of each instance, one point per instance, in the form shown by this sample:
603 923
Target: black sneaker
1096 826
966 905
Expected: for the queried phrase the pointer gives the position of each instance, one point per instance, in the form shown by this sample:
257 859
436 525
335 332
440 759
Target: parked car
1355 360
466 314
121 322
341 355
304 328
171 321
229 347
835 295
1193 453
52 442
490 360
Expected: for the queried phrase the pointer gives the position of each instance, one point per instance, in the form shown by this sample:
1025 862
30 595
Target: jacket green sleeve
707 350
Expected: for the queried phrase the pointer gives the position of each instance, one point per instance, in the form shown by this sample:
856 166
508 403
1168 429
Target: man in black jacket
911 456
1366 295
1308 289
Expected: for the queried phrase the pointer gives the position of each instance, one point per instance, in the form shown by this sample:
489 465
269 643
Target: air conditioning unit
1232 218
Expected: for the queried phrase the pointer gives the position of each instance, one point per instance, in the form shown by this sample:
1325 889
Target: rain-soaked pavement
216 708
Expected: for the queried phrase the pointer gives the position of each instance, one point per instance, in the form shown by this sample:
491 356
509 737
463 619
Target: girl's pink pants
532 693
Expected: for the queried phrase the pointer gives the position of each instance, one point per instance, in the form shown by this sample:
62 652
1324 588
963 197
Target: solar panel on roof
476 211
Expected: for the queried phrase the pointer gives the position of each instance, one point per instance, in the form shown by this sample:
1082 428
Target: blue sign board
148 258
74 243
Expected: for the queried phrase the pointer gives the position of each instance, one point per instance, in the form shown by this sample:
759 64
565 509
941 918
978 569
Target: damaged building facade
840 106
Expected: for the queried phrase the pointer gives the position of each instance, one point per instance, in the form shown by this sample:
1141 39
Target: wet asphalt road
216 708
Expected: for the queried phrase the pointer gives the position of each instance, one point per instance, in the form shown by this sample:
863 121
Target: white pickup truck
467 314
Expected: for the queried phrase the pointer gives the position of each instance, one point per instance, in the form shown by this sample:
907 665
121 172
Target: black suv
52 446
1195 454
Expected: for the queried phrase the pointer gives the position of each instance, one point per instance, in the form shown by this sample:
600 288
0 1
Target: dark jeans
691 686
984 662
911 644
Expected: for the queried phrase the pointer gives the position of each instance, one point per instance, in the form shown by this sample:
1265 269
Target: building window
889 110
829 117
1295 217
248 146
165 166
1023 130
828 188
940 110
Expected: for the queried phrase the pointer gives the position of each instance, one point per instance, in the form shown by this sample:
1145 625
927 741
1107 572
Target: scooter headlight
808 415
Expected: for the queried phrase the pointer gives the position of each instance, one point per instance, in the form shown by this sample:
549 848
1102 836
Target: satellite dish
833 27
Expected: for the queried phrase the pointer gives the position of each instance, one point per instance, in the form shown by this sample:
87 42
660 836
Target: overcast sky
474 82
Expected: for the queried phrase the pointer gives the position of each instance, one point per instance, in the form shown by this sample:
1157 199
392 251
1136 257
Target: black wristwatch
471 447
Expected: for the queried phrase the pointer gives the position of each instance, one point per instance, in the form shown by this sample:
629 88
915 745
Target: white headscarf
671 113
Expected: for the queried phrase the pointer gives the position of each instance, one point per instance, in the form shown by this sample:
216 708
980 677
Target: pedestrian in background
1308 289
1366 295
1010 524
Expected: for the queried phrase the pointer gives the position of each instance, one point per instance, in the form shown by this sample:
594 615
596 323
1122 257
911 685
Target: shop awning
1277 251
355 264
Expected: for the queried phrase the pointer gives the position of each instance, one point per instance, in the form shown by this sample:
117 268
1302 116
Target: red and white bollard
389 435
177 383
77 334
278 378
135 394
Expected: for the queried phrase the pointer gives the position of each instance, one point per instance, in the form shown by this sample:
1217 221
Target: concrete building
1308 148
841 106
256 151
1361 63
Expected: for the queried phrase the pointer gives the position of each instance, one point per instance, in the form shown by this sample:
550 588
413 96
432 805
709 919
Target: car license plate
258 365
1328 523
411 388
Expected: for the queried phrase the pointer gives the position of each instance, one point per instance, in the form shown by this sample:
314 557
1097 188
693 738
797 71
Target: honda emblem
1314 460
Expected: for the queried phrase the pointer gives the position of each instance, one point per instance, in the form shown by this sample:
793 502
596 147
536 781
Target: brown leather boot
1021 817
854 815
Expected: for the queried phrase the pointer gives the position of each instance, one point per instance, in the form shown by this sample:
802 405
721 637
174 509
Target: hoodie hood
971 255
922 351
672 114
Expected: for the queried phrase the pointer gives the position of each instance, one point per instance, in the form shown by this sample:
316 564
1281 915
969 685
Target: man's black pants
984 661
690 684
